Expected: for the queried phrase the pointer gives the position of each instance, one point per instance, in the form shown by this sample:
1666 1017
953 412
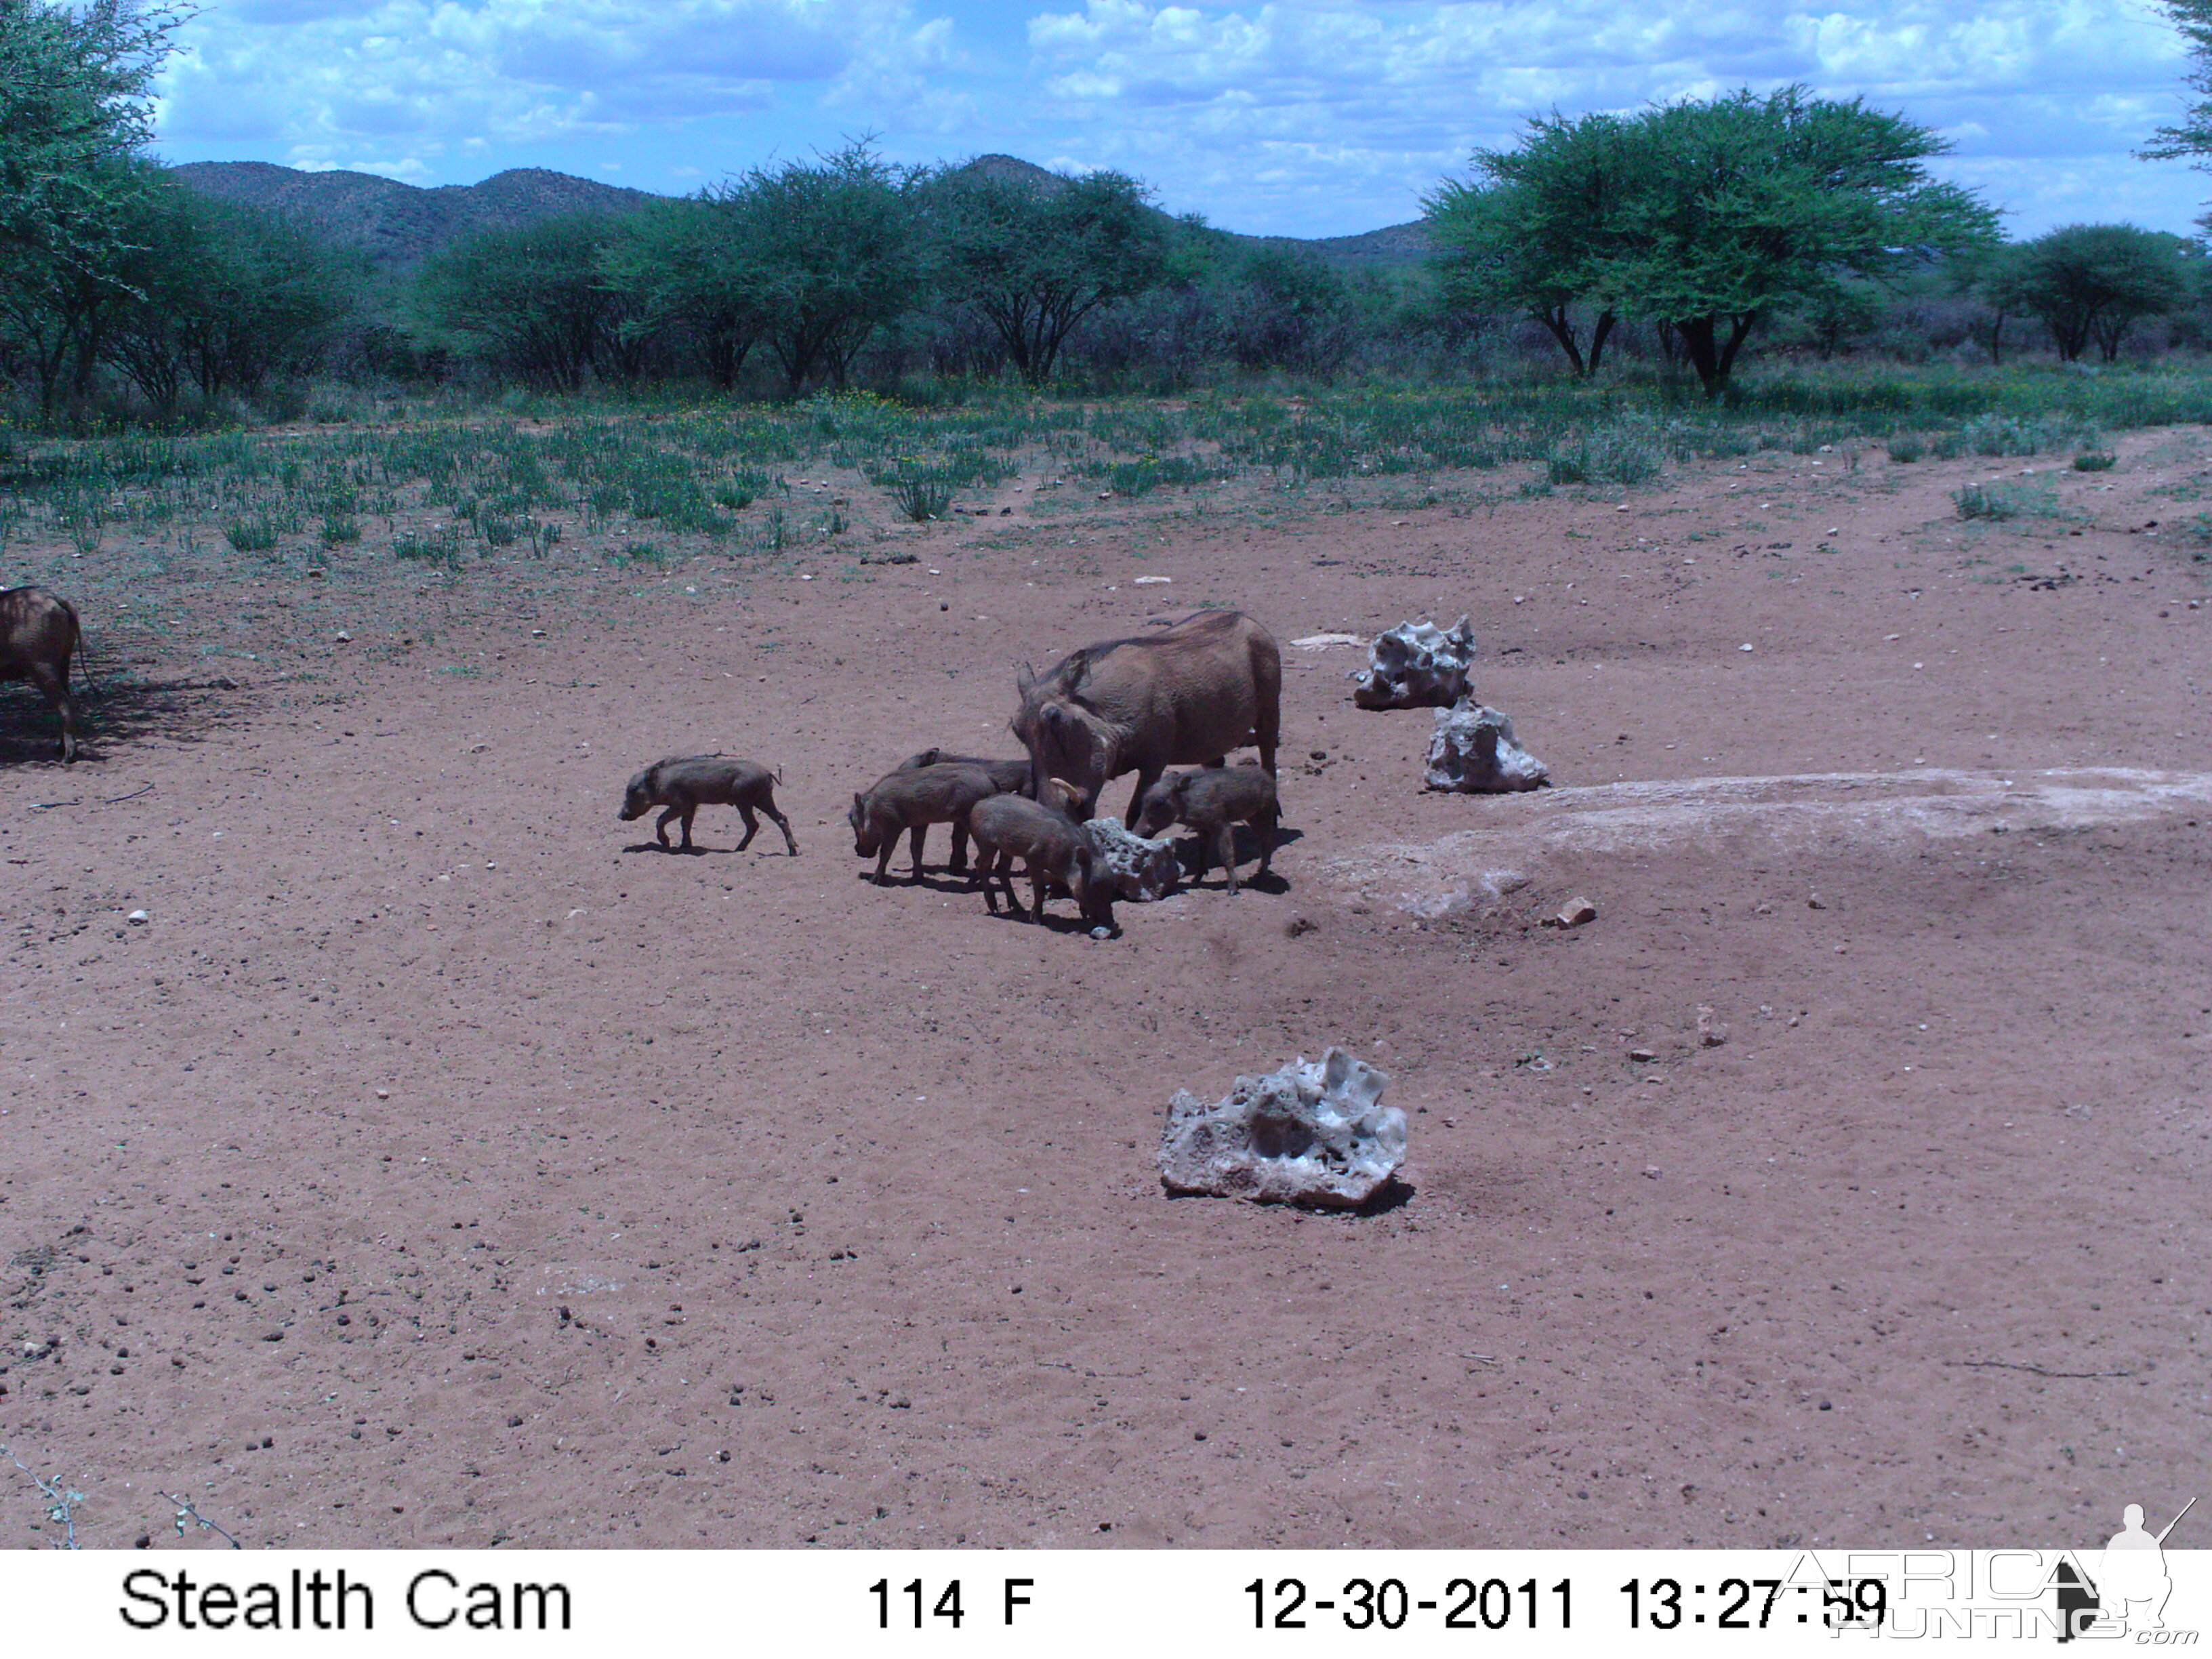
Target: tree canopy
74 84
223 296
534 298
689 262
832 254
1704 217
2091 282
1536 234
2192 136
1034 257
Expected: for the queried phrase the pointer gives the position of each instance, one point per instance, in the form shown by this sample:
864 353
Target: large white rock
1473 751
1415 665
1141 870
1314 1133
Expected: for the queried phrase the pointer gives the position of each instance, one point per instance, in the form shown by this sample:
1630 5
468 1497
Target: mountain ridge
400 225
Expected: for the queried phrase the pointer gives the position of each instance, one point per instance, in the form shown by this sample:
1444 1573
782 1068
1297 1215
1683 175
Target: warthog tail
83 663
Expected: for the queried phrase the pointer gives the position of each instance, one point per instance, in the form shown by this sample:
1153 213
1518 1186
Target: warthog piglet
684 784
1211 801
1051 844
912 800
1012 777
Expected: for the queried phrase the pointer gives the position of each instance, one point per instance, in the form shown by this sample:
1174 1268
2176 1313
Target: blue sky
1302 118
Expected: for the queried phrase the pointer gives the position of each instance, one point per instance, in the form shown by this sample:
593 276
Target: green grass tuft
255 533
2006 501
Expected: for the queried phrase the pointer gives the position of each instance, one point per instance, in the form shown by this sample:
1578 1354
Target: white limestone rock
1473 752
1314 1133
1416 665
1141 870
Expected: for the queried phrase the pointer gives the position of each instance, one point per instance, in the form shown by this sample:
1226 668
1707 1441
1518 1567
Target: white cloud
428 75
1327 115
1305 117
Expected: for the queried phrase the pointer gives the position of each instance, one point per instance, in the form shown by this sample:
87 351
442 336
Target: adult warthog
1211 683
38 633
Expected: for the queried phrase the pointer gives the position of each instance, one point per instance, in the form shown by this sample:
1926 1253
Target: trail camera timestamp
1755 1603
1464 1603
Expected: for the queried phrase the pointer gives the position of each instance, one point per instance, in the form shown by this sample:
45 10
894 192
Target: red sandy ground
442 1165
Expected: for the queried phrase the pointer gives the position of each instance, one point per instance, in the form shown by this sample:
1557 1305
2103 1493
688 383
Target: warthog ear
1024 678
860 803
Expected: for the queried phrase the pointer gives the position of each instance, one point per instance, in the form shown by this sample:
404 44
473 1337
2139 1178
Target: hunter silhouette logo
2130 1586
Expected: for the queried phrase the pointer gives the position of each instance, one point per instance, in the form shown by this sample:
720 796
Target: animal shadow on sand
935 878
939 880
698 848
122 712
1056 923
1190 848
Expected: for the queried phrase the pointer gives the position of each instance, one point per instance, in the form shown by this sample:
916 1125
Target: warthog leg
781 823
56 689
1146 777
1002 871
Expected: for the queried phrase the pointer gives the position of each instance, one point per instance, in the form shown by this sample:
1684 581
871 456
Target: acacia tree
74 84
54 315
1035 256
689 262
2192 137
1711 217
221 296
1533 231
74 118
833 254
2091 282
532 298
1751 204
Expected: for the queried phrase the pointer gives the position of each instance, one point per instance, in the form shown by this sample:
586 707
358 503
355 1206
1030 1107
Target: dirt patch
441 1163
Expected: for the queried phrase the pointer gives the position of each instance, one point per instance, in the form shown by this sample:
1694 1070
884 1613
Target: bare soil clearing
442 1163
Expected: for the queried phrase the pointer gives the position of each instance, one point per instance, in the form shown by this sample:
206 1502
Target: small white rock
344 638
138 918
1743 647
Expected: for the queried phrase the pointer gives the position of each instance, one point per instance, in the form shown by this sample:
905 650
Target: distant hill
1390 248
399 226
402 225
